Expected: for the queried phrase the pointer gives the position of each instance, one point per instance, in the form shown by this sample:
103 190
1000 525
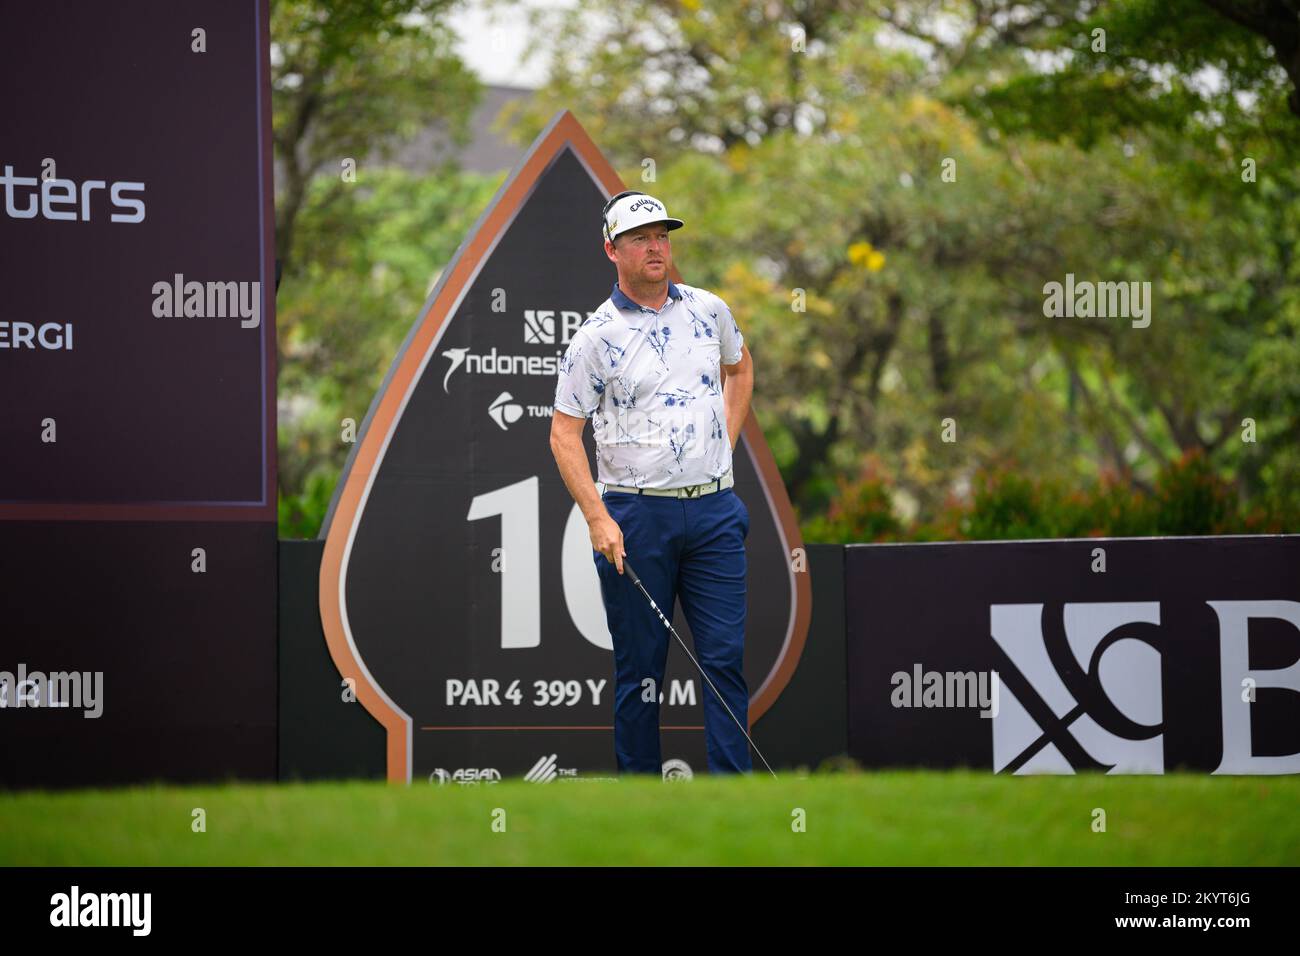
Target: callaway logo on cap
630 209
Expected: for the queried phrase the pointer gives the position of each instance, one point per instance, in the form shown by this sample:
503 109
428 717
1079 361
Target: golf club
637 581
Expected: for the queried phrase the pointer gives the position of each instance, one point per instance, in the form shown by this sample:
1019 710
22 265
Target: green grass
852 819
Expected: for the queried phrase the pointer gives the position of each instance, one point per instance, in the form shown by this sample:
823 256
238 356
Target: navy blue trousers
692 550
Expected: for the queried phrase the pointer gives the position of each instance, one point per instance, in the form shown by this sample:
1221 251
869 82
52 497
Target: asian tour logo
465 776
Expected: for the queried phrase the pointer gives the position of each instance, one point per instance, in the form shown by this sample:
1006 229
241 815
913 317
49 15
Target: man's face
643 254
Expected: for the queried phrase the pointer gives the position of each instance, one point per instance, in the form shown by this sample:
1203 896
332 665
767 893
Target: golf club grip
628 568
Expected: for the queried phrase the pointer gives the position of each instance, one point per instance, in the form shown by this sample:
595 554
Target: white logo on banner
471 776
1235 670
677 769
546 771
539 326
58 198
505 411
1088 695
543 771
1052 731
493 363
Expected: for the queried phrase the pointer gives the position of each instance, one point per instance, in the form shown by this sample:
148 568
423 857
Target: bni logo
539 327
1081 688
547 327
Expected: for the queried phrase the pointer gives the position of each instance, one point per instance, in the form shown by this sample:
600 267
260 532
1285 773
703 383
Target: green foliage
301 515
360 244
371 258
882 218
1179 65
820 174
350 82
1011 503
861 510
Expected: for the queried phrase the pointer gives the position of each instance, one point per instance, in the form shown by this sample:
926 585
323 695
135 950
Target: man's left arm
737 388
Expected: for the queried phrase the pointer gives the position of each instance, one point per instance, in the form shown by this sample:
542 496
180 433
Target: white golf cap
636 209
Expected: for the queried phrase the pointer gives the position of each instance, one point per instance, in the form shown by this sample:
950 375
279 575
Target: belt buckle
692 491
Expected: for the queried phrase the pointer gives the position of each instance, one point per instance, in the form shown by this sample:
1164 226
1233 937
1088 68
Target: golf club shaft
636 579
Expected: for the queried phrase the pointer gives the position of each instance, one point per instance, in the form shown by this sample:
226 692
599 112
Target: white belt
690 491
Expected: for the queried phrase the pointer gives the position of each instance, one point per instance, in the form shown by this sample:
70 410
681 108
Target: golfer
645 367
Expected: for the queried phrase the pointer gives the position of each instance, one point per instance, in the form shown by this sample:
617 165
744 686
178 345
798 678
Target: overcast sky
493 42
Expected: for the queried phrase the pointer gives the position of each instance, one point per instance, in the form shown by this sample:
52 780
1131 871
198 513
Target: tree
359 244
810 148
368 262
1278 22
349 81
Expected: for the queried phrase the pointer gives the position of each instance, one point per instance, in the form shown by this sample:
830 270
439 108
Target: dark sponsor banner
123 663
136 331
137 546
458 590
322 734
1114 655
326 736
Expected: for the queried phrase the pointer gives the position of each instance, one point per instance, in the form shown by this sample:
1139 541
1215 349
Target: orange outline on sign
564 131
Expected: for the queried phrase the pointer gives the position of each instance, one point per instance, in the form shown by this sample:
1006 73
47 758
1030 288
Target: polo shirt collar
623 302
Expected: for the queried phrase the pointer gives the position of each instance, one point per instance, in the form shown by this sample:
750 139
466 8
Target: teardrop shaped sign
458 590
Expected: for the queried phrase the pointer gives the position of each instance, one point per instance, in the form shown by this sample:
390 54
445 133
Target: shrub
1188 498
